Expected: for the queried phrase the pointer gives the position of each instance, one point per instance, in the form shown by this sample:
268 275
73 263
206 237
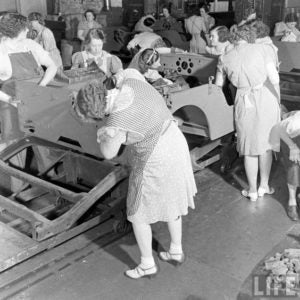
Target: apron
257 110
24 66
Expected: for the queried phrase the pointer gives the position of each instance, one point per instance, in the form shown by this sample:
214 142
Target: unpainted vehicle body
202 111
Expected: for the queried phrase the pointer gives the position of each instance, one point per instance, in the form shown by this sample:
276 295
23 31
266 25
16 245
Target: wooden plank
26 248
195 129
69 195
200 166
22 211
12 243
31 193
41 211
68 219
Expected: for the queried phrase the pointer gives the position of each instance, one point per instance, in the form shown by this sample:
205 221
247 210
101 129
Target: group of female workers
199 26
156 193
158 154
161 182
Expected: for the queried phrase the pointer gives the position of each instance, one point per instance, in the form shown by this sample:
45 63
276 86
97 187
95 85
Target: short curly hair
222 32
12 24
35 16
90 102
244 32
262 29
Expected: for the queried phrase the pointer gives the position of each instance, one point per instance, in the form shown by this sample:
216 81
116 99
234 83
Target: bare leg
265 164
147 267
292 207
251 167
175 253
143 235
175 229
292 195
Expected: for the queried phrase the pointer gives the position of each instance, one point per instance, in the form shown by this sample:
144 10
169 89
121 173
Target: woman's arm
273 76
80 34
77 60
4 97
80 30
43 59
294 149
50 72
220 78
212 22
116 64
110 146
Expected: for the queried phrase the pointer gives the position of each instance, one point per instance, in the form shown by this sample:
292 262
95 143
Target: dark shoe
292 213
173 258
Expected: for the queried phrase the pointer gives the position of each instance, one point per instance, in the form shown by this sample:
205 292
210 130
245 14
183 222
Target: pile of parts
284 272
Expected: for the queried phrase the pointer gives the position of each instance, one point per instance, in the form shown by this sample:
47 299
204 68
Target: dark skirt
292 169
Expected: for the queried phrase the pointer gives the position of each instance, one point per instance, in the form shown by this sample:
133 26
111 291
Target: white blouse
8 46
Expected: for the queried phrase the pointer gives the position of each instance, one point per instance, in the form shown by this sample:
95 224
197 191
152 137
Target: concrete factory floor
225 237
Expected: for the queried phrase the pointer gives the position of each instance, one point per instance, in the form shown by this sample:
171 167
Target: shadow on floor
122 255
236 177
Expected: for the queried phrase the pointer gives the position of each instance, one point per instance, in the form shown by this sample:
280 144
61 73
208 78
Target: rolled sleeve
292 124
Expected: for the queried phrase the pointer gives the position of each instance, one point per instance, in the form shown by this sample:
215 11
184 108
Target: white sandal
175 259
261 191
252 196
139 272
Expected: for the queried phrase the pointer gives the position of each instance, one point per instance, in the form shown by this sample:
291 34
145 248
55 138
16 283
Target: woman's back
245 72
195 25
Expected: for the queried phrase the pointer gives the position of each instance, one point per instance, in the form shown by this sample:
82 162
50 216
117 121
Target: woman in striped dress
161 182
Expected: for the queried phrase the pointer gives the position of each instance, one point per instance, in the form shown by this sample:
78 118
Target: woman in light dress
87 24
195 26
161 182
252 69
209 21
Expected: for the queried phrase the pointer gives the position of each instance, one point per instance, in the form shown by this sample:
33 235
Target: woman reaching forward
161 182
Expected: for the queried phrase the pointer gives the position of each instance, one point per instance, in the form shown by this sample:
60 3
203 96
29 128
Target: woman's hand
89 61
294 154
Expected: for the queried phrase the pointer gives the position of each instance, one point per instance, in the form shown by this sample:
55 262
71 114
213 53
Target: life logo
283 286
